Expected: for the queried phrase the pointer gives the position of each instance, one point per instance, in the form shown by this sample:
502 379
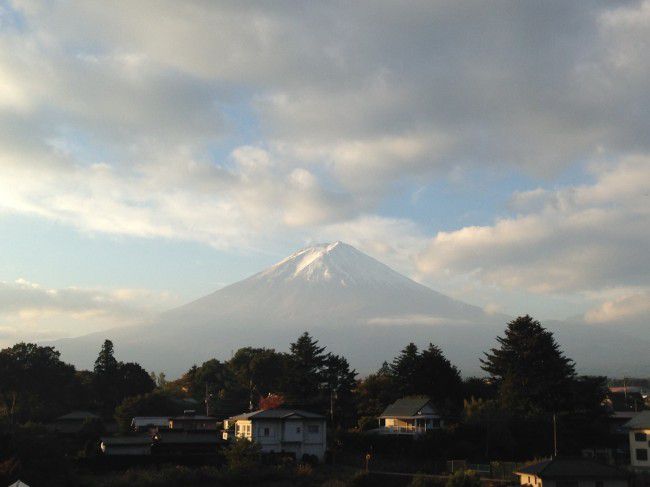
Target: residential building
639 436
163 444
281 430
126 445
190 421
572 472
409 416
151 424
73 422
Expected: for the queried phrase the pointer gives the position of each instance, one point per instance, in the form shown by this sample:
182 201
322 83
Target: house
19 483
190 421
73 422
280 430
126 445
639 435
572 472
410 416
163 444
185 443
151 424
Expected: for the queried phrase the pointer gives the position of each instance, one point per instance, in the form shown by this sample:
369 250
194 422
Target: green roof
407 406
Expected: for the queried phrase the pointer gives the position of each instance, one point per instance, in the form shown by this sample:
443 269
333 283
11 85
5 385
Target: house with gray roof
639 435
571 472
281 430
409 416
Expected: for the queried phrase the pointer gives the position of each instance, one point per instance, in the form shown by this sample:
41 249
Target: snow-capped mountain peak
337 263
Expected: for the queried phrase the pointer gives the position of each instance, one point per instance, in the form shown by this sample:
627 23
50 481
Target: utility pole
250 394
207 400
554 435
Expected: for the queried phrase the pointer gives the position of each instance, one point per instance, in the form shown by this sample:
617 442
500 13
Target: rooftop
558 468
406 407
77 415
640 421
277 413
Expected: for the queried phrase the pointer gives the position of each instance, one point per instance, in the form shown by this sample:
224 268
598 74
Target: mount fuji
352 303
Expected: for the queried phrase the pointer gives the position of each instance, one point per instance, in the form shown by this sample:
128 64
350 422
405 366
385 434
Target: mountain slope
354 304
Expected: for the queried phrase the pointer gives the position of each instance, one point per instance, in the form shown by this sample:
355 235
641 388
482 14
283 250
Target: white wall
635 445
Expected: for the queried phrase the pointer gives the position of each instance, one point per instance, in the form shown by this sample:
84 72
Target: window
641 454
312 428
599 483
297 429
640 436
267 432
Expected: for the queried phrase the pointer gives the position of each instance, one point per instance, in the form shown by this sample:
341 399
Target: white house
280 430
409 416
571 472
639 434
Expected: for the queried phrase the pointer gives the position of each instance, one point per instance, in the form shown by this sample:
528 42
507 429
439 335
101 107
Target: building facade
639 436
280 430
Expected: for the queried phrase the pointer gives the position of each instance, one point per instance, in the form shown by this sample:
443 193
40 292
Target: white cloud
29 311
586 237
631 308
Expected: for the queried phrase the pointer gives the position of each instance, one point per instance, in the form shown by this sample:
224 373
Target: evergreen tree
340 381
113 381
106 364
438 379
305 372
530 369
405 369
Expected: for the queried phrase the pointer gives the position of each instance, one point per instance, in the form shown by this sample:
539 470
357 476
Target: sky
152 152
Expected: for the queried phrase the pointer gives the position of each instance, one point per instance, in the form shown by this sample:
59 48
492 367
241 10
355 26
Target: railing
403 430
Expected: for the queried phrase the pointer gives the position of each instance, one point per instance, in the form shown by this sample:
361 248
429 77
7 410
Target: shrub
304 470
243 456
420 480
361 479
464 478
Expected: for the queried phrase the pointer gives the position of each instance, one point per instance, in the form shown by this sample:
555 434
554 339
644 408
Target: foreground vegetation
506 415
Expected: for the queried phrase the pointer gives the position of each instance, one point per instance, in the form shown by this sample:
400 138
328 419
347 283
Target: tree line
527 378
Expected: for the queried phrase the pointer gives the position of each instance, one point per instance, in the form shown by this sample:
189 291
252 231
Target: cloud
629 308
30 311
586 237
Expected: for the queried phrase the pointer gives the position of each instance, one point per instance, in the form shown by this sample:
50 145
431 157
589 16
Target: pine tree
106 362
305 372
340 381
532 372
438 379
405 369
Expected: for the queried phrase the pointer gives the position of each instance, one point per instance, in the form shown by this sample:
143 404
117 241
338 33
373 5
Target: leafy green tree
150 404
260 370
243 457
34 383
374 393
216 383
305 372
530 369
